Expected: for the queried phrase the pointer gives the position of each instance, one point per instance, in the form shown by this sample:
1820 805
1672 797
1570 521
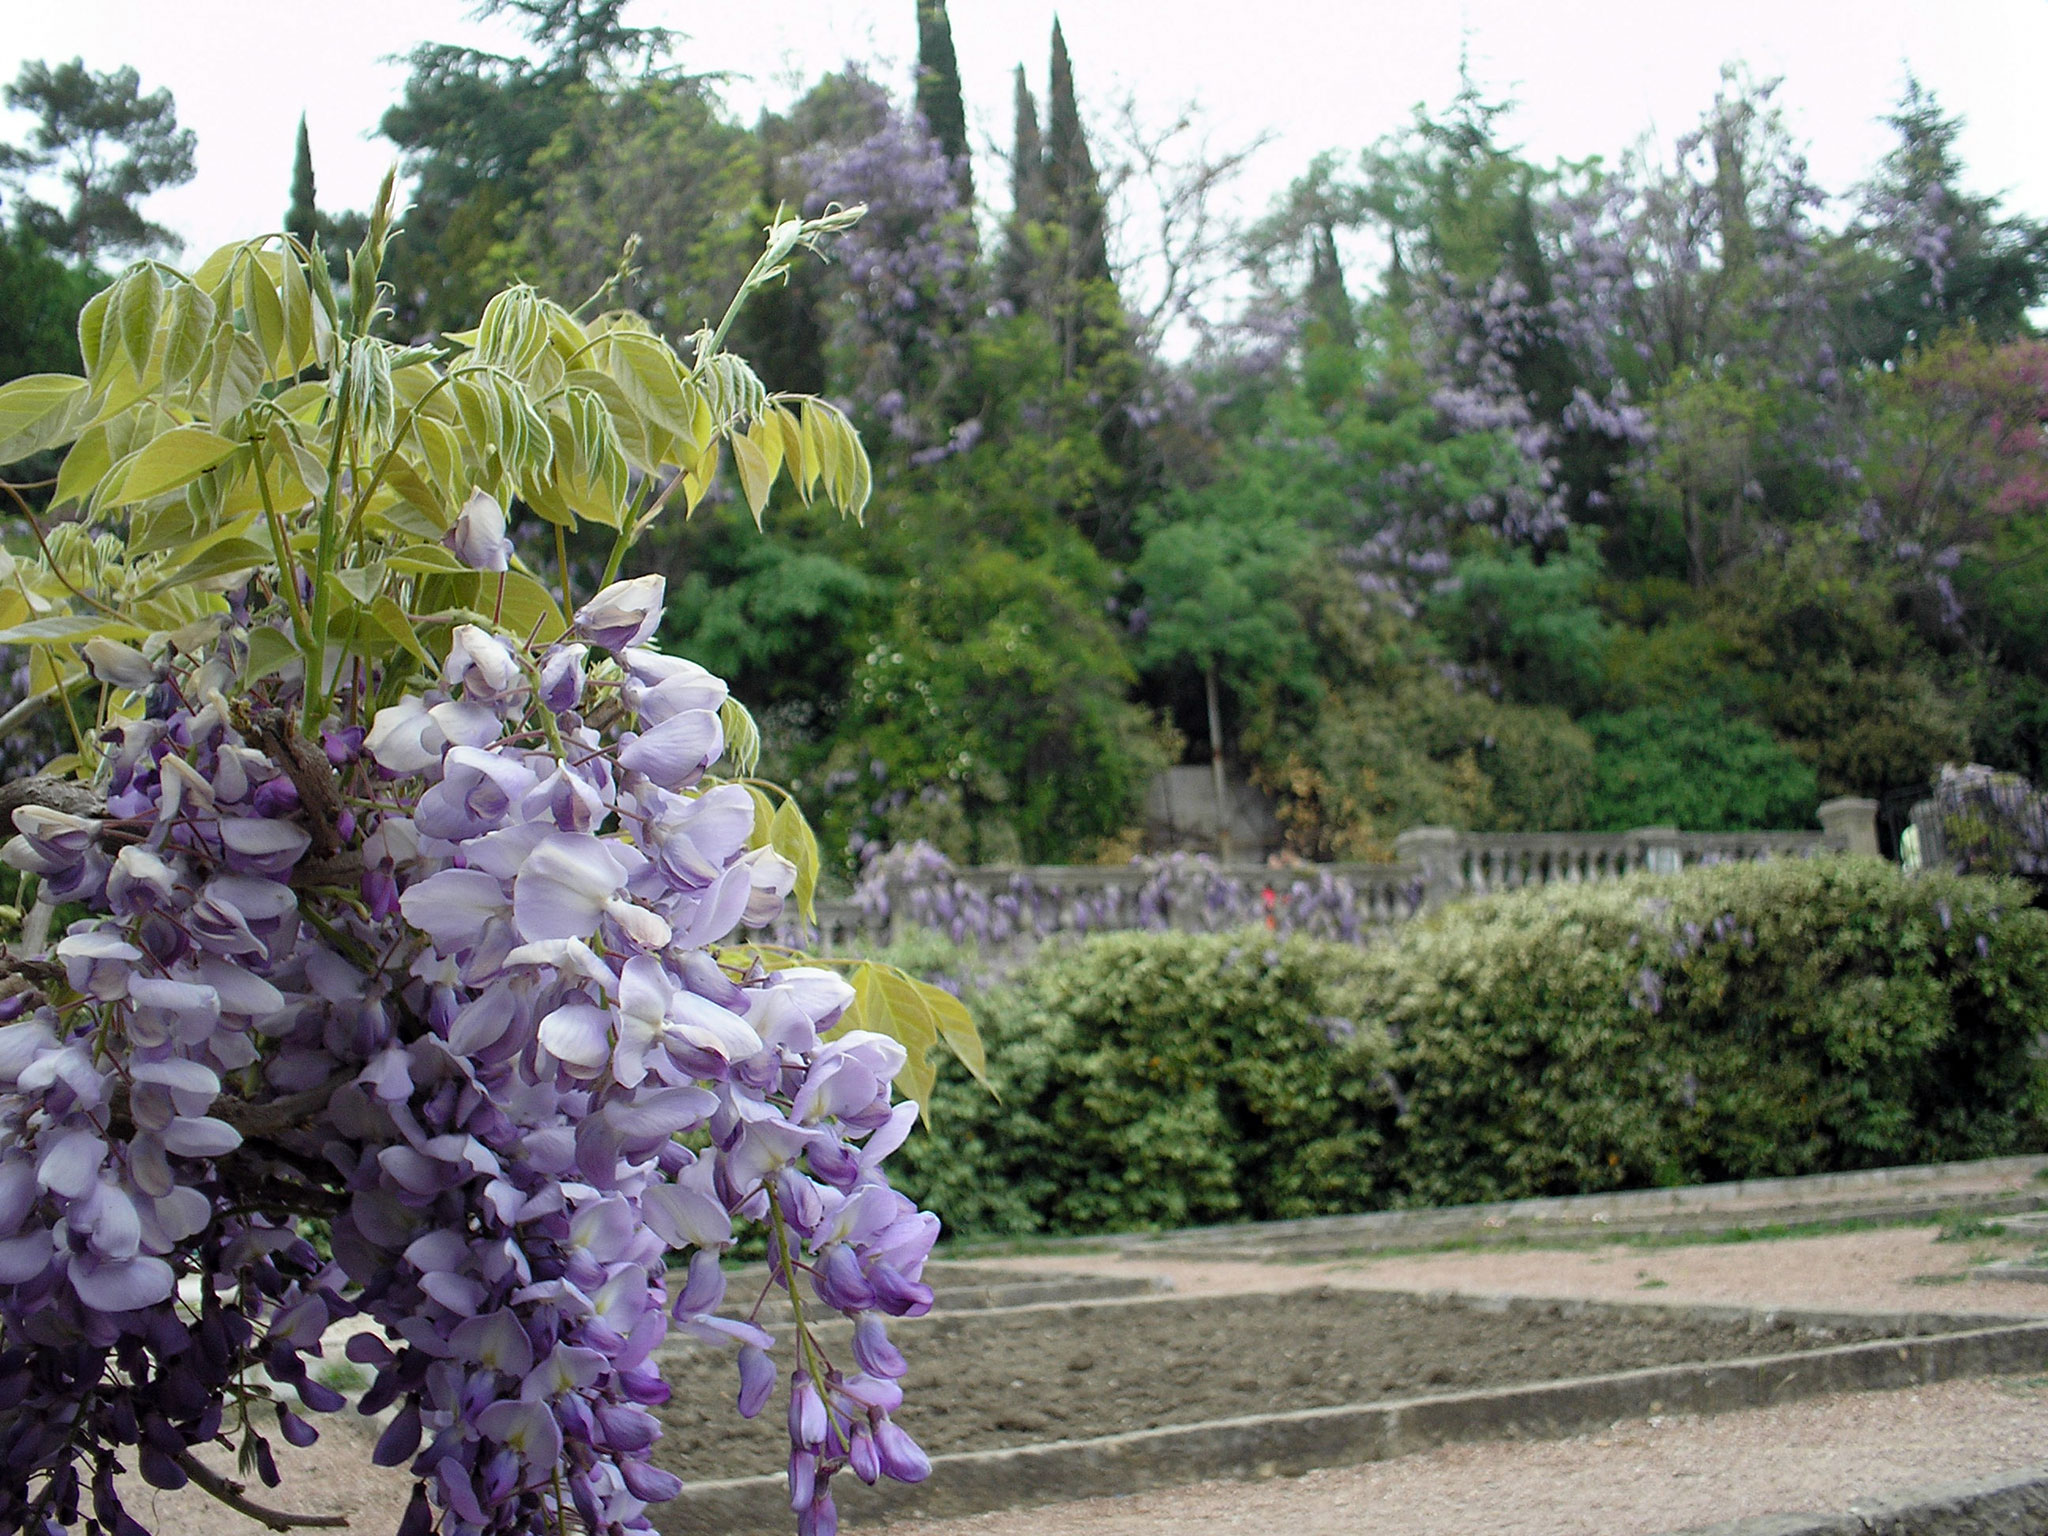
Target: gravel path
1885 1269
1640 1478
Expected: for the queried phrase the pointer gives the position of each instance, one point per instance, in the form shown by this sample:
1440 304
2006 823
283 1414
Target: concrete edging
1268 1445
2008 1504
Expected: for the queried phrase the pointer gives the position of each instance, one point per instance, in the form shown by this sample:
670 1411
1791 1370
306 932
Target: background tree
109 145
938 92
302 218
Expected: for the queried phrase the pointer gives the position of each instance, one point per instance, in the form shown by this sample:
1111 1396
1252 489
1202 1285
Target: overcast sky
1316 74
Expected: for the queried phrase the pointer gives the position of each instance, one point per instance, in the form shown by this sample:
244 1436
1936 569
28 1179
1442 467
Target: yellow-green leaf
886 1001
72 627
427 560
399 625
262 311
139 300
187 329
956 1028
756 473
764 820
230 558
742 736
529 610
177 458
38 412
794 840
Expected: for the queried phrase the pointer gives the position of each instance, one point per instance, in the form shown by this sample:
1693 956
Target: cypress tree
1328 301
1019 277
1071 184
938 91
302 219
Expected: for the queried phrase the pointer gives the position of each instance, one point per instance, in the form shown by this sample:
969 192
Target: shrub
1155 1080
1730 1022
1693 767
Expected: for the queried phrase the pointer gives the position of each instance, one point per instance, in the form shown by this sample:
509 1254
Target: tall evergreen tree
302 219
938 91
1020 284
108 144
1071 183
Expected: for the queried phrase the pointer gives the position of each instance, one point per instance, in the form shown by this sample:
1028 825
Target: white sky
1589 78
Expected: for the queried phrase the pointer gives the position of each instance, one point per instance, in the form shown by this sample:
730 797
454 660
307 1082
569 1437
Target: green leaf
398 624
427 560
795 841
363 582
177 458
742 736
38 412
187 330
890 1003
763 830
270 651
228 558
139 301
756 473
71 627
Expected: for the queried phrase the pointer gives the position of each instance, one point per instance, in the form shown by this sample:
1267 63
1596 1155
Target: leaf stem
28 516
280 536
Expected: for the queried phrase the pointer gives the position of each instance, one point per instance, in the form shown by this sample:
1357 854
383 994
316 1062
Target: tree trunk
1216 763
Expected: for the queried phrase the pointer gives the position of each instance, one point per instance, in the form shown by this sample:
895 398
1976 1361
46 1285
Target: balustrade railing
1005 907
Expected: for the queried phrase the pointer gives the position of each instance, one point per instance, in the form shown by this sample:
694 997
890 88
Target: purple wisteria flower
510 1066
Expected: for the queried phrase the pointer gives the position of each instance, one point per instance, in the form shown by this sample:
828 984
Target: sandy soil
1639 1478
983 1380
1886 1269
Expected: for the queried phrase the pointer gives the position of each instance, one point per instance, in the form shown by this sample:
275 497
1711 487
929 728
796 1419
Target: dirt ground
980 1381
1883 1269
1640 1478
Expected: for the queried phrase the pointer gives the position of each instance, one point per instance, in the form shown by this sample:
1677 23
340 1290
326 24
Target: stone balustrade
1006 905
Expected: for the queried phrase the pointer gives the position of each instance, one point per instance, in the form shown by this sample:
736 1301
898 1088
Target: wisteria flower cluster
406 994
513 1108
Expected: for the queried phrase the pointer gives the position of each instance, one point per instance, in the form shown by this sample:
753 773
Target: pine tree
938 91
302 219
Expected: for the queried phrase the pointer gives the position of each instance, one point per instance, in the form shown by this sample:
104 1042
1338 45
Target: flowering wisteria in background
908 268
1982 822
917 885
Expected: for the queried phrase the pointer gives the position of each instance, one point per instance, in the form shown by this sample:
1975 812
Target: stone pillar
1662 852
1434 851
1849 825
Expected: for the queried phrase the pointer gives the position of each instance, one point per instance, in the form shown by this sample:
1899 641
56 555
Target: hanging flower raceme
376 976
497 1051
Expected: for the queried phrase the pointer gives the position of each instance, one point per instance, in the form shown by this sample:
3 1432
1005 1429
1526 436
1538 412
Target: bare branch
229 1492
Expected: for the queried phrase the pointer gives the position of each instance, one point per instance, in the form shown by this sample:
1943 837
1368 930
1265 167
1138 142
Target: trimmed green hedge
1730 1022
1155 1080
